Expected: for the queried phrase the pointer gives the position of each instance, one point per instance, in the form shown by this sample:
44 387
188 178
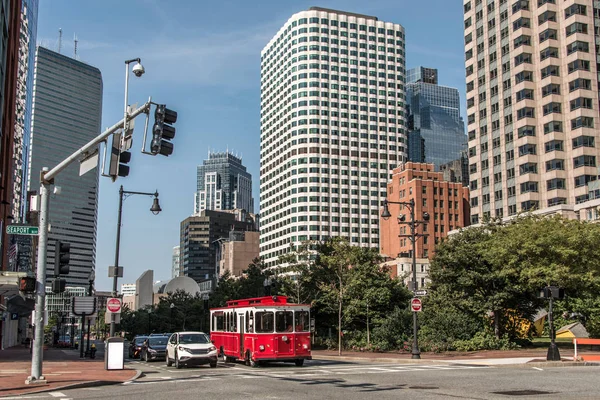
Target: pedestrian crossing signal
27 284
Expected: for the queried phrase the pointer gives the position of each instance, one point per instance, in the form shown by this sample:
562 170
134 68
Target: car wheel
299 363
169 363
177 363
213 365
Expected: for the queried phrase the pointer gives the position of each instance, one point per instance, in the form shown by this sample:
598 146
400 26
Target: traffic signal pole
47 177
40 298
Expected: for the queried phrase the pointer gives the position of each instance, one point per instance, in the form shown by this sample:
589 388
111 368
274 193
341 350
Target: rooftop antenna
59 40
75 50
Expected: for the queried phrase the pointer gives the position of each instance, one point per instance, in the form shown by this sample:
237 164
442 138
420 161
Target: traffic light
162 132
118 159
58 285
62 256
27 284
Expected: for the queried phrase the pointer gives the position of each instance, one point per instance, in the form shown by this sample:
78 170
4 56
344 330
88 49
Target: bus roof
260 301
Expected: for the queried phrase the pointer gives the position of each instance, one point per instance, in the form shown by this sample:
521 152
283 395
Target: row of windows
271 52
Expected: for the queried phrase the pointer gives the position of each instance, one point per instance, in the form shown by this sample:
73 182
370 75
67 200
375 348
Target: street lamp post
413 237
171 307
155 209
149 321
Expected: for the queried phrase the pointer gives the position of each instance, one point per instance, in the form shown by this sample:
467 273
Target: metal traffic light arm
46 179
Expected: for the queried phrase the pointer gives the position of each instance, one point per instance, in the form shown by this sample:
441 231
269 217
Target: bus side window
234 322
247 323
251 323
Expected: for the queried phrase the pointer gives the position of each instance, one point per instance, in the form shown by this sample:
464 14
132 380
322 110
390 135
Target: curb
79 385
482 363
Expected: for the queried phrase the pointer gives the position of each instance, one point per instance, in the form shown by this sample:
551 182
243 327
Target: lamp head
425 216
386 212
401 217
155 205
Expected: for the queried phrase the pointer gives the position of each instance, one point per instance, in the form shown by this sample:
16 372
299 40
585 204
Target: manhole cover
523 392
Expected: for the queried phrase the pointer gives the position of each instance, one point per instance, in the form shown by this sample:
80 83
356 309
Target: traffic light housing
27 284
62 256
118 159
162 131
58 285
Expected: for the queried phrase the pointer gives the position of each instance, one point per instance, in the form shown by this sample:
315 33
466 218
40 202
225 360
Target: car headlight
305 346
181 348
212 348
261 347
151 350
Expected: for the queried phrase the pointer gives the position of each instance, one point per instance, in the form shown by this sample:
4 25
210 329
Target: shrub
485 341
441 327
393 332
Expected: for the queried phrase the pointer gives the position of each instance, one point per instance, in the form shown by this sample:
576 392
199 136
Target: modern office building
24 99
223 184
200 237
175 263
447 204
435 128
237 252
21 257
532 104
332 127
128 289
67 110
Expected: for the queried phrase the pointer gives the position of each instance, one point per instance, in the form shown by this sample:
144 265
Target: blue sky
202 59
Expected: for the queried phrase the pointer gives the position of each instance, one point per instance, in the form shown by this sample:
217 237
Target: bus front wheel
299 362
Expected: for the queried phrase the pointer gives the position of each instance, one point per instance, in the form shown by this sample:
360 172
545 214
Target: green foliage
485 340
495 272
394 331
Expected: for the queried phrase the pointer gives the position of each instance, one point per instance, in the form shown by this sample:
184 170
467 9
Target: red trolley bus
262 329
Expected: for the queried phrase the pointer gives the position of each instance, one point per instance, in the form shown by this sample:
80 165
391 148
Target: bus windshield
263 322
302 321
284 321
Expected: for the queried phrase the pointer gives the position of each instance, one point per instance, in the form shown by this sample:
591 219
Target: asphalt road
334 380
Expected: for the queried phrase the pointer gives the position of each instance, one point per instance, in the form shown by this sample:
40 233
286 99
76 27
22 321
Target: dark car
135 347
154 348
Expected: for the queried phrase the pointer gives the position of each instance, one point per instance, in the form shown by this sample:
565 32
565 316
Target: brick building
446 202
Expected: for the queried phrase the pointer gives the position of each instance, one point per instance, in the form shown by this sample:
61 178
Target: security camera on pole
88 158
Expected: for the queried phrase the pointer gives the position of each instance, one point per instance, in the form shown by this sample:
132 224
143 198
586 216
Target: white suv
190 348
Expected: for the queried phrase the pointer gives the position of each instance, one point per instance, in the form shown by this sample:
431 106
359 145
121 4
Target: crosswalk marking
309 372
56 394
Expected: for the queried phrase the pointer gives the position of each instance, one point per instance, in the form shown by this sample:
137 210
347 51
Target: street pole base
416 356
553 353
32 381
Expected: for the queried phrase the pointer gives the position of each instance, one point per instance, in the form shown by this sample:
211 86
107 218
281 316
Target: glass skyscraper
436 129
223 184
66 114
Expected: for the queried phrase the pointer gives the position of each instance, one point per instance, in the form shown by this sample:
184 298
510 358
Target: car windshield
158 341
139 340
193 338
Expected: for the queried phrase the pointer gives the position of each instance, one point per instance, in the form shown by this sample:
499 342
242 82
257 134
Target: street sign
22 230
416 305
421 292
81 305
113 305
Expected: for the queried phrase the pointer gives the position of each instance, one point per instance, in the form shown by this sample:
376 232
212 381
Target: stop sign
113 305
415 304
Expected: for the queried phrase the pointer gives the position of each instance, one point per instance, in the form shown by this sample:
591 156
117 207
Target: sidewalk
531 357
62 368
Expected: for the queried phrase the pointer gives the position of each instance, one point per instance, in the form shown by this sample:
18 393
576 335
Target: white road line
538 369
165 377
56 394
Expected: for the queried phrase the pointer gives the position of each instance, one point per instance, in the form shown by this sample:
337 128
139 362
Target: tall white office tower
332 128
